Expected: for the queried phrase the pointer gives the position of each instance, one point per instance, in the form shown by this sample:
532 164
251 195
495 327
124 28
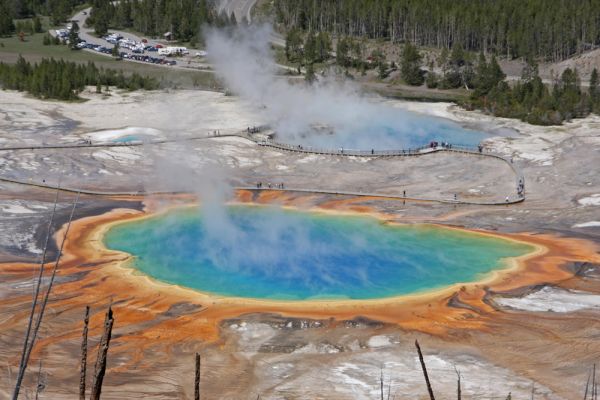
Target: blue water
386 128
127 139
260 252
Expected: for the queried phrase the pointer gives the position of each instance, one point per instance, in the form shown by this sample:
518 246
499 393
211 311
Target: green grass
33 50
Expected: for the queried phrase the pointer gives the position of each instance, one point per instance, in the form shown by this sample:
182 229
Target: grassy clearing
33 50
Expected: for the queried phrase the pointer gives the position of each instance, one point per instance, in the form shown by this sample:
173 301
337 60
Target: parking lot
133 48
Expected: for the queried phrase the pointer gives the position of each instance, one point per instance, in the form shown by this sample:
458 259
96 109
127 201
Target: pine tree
37 25
323 44
309 75
74 36
310 49
293 47
410 65
7 27
342 52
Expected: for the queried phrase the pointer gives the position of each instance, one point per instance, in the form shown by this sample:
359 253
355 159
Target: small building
168 36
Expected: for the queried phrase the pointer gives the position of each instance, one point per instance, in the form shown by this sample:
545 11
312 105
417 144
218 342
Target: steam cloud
243 58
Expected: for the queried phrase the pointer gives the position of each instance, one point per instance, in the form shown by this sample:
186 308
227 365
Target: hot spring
269 253
388 128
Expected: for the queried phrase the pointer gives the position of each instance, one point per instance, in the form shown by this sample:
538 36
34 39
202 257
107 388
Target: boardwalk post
197 379
429 389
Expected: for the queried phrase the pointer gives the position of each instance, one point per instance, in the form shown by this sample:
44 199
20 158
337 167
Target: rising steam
244 59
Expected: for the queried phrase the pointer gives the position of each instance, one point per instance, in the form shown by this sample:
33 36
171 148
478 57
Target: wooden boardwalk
422 151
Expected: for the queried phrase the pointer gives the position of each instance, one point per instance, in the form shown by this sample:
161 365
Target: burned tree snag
83 373
429 389
197 379
100 368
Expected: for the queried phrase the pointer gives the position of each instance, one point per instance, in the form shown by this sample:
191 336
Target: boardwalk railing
428 149
419 151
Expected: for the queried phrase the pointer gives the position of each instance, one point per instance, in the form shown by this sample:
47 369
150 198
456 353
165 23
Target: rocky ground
542 337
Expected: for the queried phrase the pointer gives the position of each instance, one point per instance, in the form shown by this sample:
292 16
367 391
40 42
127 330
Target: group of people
521 187
216 133
259 185
433 144
254 129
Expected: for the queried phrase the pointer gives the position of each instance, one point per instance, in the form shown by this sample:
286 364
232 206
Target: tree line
64 80
550 29
58 11
529 99
183 18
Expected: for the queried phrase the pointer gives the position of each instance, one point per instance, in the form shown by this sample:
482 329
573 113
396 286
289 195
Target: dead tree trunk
458 389
587 386
100 368
429 389
594 385
43 305
381 383
84 338
197 379
22 363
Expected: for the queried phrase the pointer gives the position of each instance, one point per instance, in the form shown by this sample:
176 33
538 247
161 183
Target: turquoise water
386 128
127 139
264 252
